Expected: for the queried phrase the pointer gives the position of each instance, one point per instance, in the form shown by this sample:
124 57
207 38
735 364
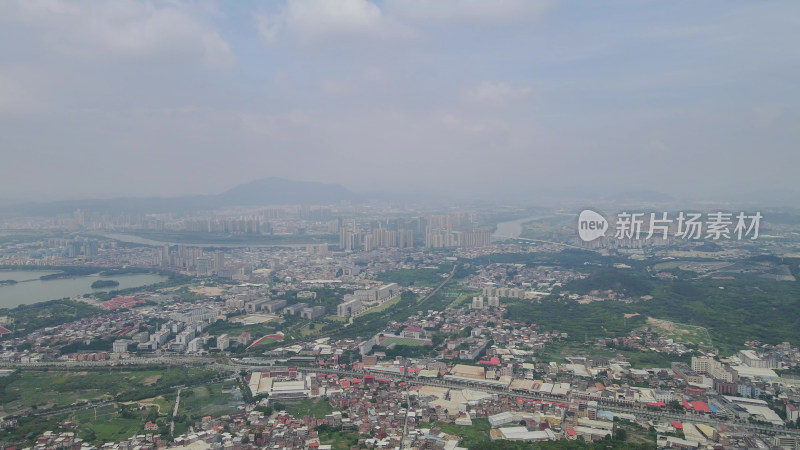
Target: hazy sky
106 98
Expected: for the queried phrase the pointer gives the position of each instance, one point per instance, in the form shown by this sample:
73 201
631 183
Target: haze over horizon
129 98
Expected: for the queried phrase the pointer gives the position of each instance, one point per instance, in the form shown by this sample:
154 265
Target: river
512 228
30 289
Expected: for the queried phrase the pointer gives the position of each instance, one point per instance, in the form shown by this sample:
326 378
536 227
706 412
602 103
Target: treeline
611 279
174 279
598 319
124 389
28 429
415 277
48 314
97 345
104 284
734 311
6 395
569 258
64 271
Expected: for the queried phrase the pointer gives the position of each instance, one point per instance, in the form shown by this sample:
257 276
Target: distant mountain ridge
276 191
266 191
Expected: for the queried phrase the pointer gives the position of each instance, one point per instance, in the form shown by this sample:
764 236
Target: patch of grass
316 407
470 435
46 389
117 429
339 441
383 306
637 434
107 424
265 342
691 334
208 400
414 277
401 341
233 329
306 330
463 298
164 404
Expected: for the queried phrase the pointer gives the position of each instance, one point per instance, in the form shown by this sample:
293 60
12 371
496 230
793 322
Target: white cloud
272 125
23 90
310 21
268 27
476 11
496 93
122 28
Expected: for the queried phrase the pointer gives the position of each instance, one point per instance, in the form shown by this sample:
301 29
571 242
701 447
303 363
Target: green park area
401 341
133 393
209 400
414 277
316 407
470 435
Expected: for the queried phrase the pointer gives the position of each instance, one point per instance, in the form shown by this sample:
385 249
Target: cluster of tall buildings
352 237
355 303
509 292
78 247
447 238
485 302
192 258
441 232
244 225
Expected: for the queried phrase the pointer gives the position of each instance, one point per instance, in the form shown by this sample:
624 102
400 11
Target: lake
30 289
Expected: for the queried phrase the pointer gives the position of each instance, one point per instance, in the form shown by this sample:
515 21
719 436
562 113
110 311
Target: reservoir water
30 289
512 228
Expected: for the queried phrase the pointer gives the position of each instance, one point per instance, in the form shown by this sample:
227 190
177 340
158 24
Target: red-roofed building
122 302
4 331
413 332
677 425
792 412
701 407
